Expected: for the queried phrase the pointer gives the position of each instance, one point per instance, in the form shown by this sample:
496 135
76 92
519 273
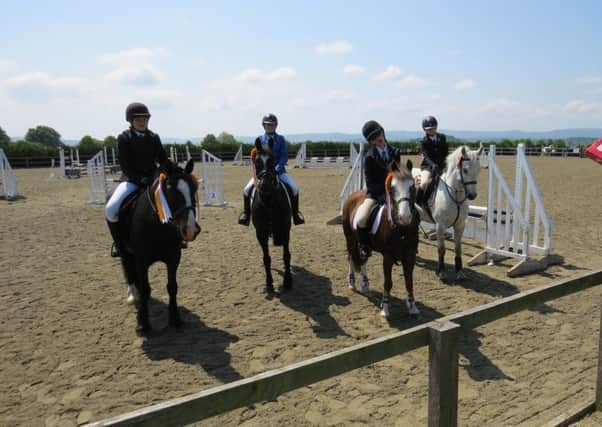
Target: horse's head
401 192
463 167
180 187
265 168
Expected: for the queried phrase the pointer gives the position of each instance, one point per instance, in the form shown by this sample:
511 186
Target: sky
320 66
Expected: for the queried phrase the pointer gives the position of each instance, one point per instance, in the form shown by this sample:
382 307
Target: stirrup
244 219
115 252
298 218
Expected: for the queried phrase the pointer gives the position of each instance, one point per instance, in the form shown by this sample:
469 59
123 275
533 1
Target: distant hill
571 136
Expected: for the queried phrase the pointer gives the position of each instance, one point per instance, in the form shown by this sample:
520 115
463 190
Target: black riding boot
364 242
297 216
245 216
116 248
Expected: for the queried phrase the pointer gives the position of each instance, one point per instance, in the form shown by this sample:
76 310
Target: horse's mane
452 159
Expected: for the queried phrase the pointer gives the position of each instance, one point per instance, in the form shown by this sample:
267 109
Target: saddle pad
375 223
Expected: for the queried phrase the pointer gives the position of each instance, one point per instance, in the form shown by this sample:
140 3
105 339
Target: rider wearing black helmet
280 150
140 152
377 164
434 150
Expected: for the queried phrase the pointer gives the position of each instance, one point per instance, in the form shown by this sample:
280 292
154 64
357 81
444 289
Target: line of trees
44 141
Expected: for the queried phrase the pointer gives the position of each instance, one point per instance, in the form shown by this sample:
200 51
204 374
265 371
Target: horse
396 237
448 204
270 213
154 225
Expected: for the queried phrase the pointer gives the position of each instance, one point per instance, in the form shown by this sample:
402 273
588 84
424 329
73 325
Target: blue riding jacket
279 149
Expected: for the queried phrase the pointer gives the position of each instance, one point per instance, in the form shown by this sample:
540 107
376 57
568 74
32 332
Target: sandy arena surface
70 353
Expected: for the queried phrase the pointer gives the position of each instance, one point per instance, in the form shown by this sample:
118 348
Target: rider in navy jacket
280 150
434 150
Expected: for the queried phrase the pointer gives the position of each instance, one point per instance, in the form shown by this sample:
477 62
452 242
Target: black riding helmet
136 109
429 122
371 129
269 119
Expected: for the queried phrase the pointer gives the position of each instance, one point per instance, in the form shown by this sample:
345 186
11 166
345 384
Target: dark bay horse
396 238
154 226
271 214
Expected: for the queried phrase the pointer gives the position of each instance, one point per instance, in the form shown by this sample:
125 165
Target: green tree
89 145
110 141
44 135
209 141
226 139
4 138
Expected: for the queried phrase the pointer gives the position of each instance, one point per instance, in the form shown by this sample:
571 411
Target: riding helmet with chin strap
269 119
136 109
429 122
371 129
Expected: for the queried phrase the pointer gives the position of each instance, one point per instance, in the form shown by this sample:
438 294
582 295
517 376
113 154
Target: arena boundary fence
212 180
8 179
441 336
97 177
355 179
240 159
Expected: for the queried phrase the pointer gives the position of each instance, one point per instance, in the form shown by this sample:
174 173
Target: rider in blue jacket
280 150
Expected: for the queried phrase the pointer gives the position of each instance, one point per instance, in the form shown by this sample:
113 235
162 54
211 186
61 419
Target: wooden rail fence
441 335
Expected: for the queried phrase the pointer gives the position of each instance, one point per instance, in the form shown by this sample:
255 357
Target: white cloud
334 48
144 75
464 84
133 56
41 84
7 65
257 75
498 105
391 72
353 69
580 106
411 81
590 80
340 96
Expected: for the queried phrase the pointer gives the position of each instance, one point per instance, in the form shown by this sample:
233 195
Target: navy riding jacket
375 171
434 153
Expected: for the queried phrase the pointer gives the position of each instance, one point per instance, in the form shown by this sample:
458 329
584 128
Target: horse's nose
472 196
405 219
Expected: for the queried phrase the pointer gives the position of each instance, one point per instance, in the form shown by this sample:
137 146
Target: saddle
129 203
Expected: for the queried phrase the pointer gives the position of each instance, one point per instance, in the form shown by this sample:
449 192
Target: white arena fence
212 180
355 179
302 161
98 186
8 180
242 160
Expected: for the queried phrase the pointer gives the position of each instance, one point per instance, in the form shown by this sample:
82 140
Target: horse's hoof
412 308
441 275
268 292
460 275
133 295
143 331
384 311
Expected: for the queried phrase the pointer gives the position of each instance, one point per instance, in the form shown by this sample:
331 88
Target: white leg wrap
133 295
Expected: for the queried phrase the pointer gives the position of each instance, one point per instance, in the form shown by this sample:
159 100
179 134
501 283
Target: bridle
463 190
194 207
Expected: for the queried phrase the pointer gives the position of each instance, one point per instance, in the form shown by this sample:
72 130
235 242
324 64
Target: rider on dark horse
377 164
434 150
140 153
280 151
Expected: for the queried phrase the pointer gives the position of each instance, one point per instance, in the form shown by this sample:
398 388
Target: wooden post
599 379
443 374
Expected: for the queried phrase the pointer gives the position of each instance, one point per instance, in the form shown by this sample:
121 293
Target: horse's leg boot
364 242
116 248
245 216
297 216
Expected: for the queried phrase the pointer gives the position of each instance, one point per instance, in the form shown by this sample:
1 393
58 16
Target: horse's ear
409 165
480 149
258 144
169 166
189 167
271 143
463 150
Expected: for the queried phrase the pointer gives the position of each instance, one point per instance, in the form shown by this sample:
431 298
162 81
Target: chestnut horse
396 237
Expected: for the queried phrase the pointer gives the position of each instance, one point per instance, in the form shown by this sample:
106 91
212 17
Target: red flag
594 151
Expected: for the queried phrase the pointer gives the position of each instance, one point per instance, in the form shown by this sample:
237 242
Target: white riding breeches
121 192
425 178
283 177
362 213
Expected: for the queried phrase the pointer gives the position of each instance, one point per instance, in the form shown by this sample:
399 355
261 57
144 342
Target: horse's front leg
408 263
286 258
143 323
458 232
267 265
129 268
172 290
441 250
385 309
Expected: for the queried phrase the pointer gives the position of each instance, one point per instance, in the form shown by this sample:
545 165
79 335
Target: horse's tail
350 236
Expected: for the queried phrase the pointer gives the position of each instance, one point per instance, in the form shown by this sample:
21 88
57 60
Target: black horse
151 236
271 214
